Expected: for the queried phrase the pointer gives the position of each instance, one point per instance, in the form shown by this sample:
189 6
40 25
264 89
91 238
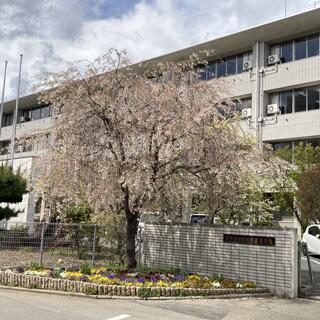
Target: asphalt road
16 305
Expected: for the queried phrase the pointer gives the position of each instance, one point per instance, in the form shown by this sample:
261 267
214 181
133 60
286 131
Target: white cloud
52 32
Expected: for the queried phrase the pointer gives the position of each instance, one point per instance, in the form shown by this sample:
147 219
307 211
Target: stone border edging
79 287
100 297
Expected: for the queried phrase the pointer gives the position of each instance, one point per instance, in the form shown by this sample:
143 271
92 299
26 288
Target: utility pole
15 116
3 90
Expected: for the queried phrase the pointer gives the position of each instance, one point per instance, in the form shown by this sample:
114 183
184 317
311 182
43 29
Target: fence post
299 267
94 244
42 241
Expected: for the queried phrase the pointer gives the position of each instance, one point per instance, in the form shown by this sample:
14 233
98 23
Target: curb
104 297
71 287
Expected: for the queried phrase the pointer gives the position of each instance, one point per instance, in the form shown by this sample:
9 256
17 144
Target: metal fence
47 243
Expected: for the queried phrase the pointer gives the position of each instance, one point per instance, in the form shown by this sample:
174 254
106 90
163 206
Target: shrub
86 269
146 293
35 265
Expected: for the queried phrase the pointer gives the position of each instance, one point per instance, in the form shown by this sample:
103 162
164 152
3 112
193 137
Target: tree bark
132 224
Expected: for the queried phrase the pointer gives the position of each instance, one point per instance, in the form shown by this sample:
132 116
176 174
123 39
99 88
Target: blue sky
53 33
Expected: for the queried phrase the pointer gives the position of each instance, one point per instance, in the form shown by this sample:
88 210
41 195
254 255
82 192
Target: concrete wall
293 126
201 249
27 128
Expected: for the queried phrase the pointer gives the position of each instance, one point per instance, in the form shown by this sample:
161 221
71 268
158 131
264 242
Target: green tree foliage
77 213
12 187
308 194
289 189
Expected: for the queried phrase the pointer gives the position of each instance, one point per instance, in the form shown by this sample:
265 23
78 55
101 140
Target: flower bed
120 282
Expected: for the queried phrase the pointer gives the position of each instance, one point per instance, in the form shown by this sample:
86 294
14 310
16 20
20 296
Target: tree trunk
132 224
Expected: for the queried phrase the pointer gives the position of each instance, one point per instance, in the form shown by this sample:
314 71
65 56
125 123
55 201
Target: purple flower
122 277
103 273
154 279
84 278
179 278
19 269
141 280
111 276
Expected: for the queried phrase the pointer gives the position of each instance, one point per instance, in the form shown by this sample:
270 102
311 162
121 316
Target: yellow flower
177 285
161 283
194 278
74 274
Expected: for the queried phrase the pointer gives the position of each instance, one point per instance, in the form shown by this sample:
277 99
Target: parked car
199 218
312 238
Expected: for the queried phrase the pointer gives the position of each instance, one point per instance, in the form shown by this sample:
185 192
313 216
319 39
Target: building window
285 102
231 66
313 45
4 147
282 145
221 68
300 49
297 49
313 98
275 49
297 100
286 52
45 112
314 142
239 63
7 120
202 73
300 100
211 70
227 66
36 114
245 103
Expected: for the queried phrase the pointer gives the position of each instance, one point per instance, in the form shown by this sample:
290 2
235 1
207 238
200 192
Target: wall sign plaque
249 240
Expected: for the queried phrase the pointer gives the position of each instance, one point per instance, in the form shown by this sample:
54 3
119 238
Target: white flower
239 285
216 284
36 273
63 275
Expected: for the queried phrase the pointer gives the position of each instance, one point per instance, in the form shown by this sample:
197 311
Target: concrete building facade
273 69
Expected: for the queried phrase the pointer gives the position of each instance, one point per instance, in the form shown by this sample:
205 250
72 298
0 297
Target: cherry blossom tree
124 134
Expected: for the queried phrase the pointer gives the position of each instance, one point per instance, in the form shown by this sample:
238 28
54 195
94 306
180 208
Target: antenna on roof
285 8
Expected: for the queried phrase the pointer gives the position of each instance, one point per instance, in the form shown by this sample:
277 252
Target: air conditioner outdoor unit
273 59
246 113
247 65
272 108
22 119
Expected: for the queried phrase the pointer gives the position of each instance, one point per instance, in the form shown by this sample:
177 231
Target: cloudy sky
53 33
